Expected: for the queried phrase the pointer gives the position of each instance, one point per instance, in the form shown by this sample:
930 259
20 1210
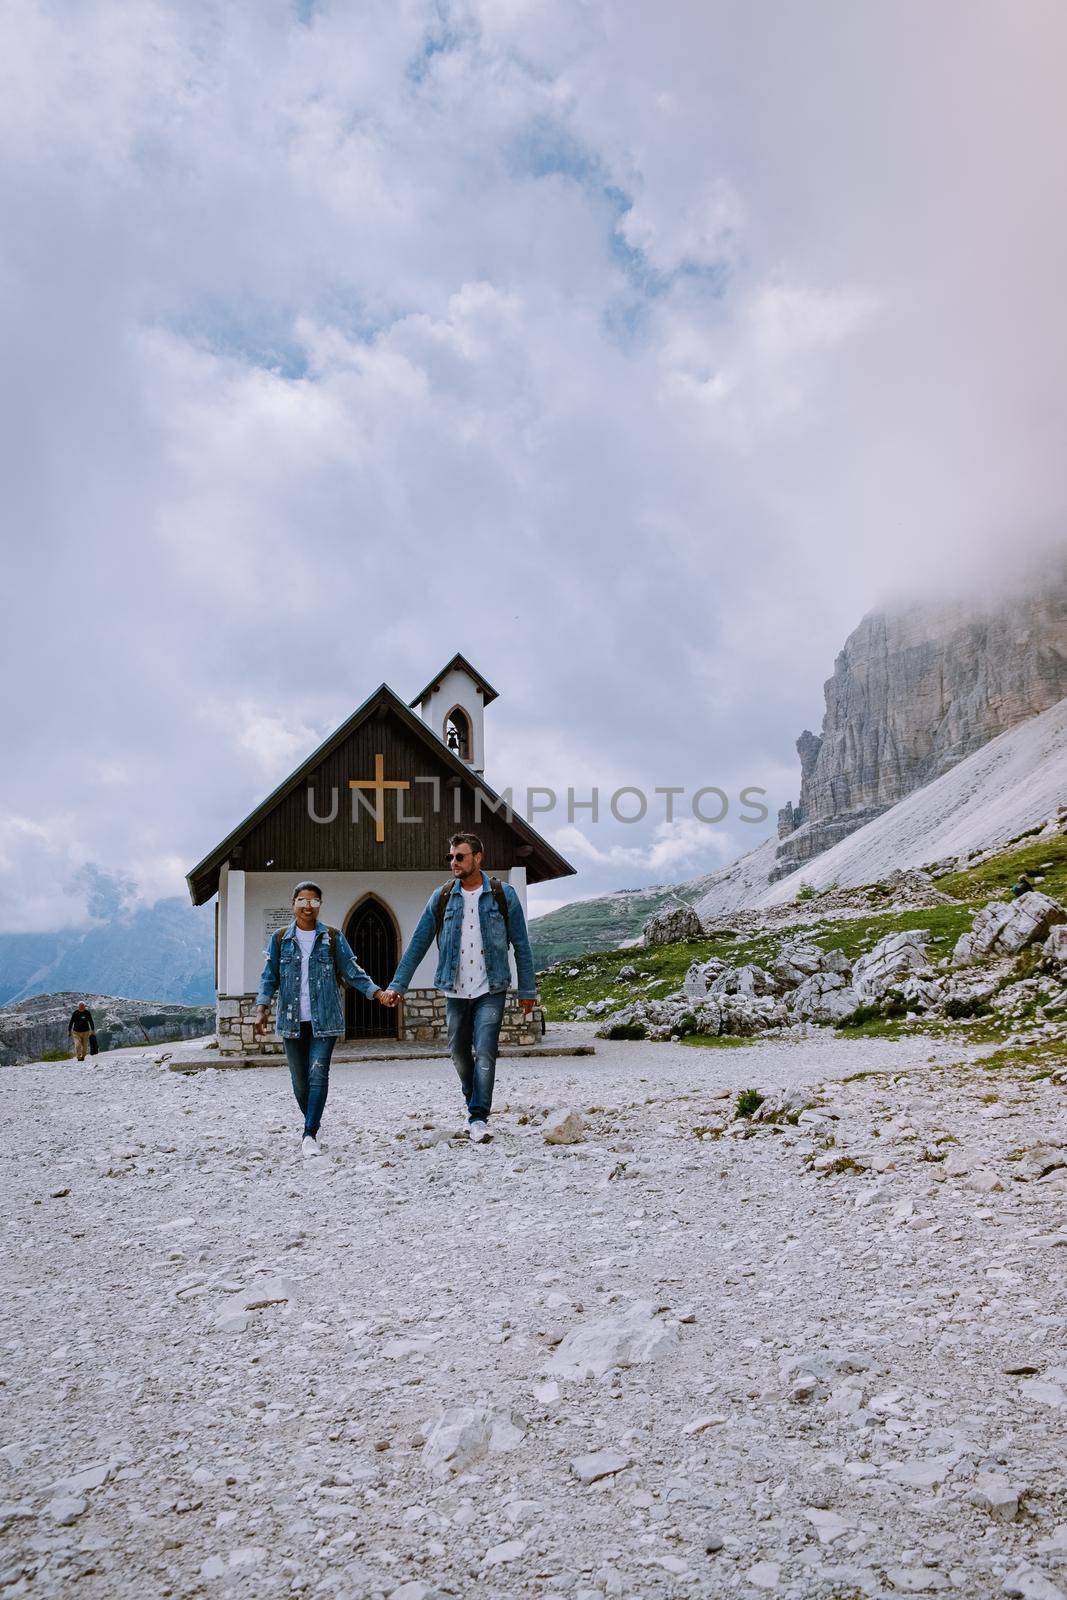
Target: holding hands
388 997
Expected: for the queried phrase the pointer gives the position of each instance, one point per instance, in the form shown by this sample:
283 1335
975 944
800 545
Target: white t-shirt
305 940
471 978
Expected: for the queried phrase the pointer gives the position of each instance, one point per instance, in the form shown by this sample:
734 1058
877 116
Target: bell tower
453 704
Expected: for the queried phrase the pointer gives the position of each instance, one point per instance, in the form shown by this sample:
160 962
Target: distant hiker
306 963
1022 886
81 1028
474 919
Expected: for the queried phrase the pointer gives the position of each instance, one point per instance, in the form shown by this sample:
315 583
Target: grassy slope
1044 861
601 924
661 970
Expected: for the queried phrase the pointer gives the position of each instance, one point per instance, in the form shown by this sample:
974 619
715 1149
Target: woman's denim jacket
281 976
494 942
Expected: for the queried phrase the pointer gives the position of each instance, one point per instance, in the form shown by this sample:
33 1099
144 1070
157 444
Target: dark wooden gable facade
384 737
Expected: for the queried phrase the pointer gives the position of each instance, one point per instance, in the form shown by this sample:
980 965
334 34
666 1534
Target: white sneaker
478 1131
309 1146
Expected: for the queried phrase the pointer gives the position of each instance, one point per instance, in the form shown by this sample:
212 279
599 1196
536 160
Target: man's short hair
472 839
307 884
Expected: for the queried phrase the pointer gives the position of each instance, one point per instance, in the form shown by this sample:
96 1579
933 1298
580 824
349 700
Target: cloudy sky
633 350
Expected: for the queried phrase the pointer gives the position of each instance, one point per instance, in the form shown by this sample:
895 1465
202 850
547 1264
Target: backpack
498 895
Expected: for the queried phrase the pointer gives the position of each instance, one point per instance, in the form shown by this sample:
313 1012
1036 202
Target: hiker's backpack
498 895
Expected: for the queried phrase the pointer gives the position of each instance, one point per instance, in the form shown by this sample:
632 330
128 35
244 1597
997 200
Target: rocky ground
689 1355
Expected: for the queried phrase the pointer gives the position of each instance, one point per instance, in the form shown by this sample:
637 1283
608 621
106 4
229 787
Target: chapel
368 816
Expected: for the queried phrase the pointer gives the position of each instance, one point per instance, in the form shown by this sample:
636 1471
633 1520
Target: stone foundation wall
422 1020
234 1017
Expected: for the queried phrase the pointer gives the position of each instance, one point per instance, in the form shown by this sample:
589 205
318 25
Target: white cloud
685 847
635 360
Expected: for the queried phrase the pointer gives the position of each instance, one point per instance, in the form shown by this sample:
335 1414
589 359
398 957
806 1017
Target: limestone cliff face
913 692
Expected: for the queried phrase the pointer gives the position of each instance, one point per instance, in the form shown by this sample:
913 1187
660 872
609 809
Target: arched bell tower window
458 733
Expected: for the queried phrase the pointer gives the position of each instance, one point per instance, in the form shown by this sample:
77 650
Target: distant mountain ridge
163 952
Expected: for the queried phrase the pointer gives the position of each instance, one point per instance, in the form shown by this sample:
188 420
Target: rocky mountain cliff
913 693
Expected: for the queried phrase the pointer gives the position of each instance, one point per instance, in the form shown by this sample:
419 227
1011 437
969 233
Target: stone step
207 1061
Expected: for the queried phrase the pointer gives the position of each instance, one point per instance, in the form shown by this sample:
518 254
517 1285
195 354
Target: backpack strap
499 896
442 902
501 904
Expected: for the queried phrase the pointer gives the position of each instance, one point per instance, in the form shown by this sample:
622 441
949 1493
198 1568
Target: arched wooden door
371 933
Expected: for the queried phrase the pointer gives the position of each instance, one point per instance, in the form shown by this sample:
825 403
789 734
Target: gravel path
656 1362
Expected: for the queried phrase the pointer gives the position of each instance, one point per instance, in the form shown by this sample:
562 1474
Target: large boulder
702 975
825 997
748 980
673 925
889 963
637 1336
801 960
744 1015
1055 951
661 1019
1004 927
922 991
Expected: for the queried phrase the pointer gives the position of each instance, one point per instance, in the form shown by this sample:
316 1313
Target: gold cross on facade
379 783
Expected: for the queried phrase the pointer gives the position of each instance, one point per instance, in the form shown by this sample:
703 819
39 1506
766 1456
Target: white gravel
221 1364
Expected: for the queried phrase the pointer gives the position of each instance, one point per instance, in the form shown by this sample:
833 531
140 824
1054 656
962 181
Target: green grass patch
587 926
748 1102
718 1041
841 1165
877 1027
57 1055
856 935
660 970
1044 861
1043 1054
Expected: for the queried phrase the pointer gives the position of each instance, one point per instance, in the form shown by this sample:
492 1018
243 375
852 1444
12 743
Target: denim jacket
281 976
494 942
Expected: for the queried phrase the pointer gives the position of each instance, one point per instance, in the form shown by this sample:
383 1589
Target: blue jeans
309 1068
473 1036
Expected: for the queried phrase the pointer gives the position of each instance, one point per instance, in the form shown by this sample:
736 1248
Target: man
473 921
305 962
82 1027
